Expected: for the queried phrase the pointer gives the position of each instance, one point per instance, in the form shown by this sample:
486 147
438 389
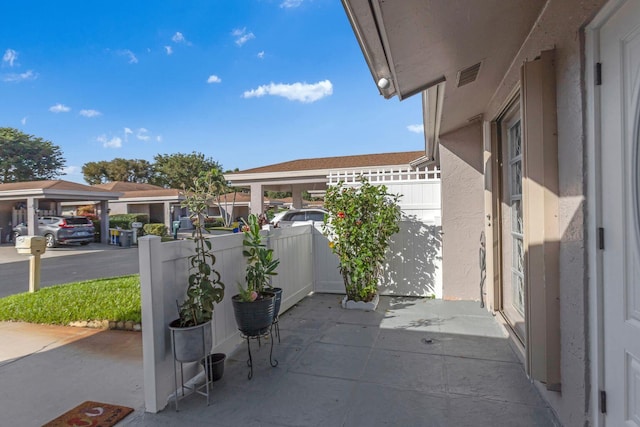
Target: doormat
91 414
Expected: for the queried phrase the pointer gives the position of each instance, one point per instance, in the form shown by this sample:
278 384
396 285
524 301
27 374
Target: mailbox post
135 226
34 246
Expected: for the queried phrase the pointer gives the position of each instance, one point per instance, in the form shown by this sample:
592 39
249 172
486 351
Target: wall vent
468 75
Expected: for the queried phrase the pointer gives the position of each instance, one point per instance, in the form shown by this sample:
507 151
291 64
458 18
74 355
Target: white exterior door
620 171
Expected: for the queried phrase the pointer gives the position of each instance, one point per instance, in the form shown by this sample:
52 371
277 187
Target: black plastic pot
254 318
216 365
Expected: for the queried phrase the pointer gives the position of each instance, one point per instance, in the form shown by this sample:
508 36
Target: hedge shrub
211 222
155 229
124 221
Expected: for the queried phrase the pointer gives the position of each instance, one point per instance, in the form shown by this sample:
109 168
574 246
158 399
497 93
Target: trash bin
114 236
126 237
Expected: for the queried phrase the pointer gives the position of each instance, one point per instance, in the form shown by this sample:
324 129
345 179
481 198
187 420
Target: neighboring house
21 201
161 204
532 111
396 170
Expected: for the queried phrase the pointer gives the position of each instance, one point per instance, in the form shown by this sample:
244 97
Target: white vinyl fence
163 280
413 267
306 265
419 188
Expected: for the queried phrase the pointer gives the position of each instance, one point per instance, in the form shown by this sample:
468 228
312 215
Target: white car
291 217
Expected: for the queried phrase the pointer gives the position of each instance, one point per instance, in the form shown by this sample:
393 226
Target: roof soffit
426 42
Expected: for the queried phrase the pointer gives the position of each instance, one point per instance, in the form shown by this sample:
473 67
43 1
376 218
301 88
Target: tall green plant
360 223
261 265
205 288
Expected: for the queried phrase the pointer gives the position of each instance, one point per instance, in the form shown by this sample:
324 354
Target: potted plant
204 288
254 305
359 225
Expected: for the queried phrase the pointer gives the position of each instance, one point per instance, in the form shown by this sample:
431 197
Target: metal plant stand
273 362
276 326
195 388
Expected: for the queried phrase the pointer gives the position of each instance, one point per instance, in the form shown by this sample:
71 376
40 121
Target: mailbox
31 245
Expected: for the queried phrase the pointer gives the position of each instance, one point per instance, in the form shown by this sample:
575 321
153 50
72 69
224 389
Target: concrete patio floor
413 362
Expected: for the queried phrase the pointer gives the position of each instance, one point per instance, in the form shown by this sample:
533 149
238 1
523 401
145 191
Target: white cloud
59 108
128 54
178 37
261 54
142 134
302 92
159 138
10 56
90 113
214 79
127 132
416 128
291 3
168 49
27 75
242 36
114 142
23 121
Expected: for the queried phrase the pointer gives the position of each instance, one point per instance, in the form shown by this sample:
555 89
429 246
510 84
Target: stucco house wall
462 211
560 26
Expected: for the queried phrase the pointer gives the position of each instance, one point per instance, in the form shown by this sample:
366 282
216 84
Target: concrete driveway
66 264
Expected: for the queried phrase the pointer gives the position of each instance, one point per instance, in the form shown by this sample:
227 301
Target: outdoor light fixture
383 83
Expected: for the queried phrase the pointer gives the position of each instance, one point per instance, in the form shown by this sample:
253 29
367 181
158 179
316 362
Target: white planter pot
360 305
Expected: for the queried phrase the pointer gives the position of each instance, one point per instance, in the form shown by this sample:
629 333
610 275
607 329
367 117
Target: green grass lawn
116 299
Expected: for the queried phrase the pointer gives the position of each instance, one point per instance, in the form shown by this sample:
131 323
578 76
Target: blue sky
246 82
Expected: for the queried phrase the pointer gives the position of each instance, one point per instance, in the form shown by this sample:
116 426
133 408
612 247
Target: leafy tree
118 169
28 158
95 172
278 194
177 170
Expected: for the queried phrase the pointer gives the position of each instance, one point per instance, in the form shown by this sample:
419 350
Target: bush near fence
211 222
155 229
124 221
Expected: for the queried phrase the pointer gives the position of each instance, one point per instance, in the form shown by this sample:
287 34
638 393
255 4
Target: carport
37 196
301 175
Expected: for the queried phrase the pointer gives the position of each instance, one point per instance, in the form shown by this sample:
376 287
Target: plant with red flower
361 221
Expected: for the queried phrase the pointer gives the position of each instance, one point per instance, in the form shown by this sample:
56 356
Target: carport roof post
257 198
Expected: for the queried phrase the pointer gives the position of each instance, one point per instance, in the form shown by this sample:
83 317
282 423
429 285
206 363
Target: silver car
299 216
61 230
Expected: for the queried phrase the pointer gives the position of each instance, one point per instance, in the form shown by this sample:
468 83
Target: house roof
54 189
342 162
134 190
127 186
49 184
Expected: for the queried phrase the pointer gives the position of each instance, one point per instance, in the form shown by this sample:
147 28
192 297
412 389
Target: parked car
292 216
61 230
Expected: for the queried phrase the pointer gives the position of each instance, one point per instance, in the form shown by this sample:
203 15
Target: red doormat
91 414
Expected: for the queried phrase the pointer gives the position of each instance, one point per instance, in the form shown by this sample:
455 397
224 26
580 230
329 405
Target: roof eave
366 27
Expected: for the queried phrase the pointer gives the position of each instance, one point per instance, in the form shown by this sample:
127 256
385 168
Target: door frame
594 208
497 146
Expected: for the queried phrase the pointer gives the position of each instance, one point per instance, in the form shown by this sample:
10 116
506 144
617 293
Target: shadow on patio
413 362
